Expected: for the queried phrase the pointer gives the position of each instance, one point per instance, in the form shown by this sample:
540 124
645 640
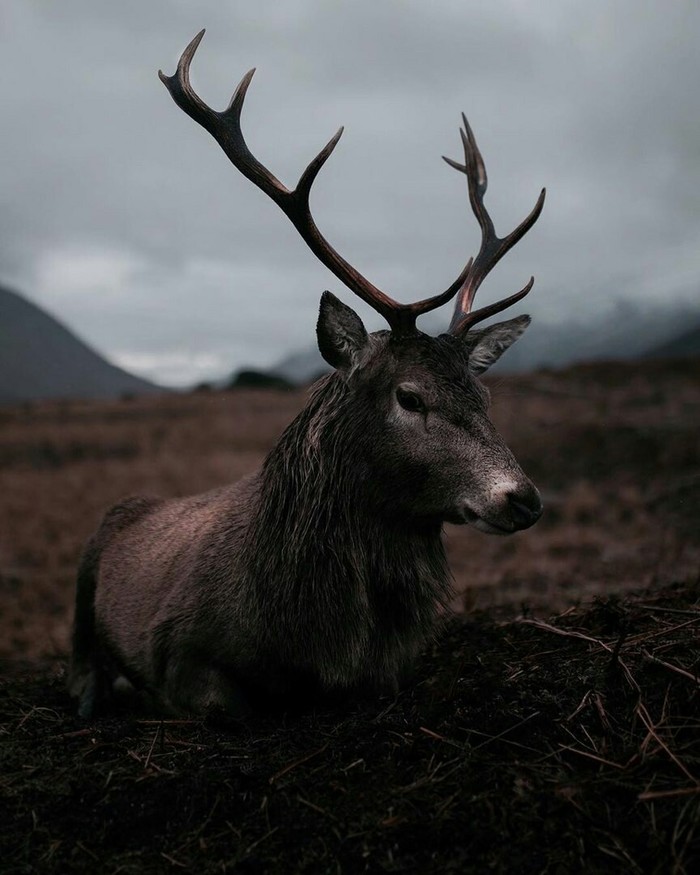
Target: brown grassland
554 726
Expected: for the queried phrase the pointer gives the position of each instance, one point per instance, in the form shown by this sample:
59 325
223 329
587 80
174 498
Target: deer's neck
335 584
321 531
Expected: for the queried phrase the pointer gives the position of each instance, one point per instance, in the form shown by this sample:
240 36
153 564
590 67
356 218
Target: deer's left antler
225 127
493 247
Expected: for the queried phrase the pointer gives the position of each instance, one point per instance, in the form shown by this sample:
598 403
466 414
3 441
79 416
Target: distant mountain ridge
687 343
41 358
628 334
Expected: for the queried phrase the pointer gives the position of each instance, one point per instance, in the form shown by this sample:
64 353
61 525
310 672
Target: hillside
612 447
687 343
42 359
623 333
523 743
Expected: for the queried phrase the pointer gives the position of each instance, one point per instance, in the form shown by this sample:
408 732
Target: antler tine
493 247
225 127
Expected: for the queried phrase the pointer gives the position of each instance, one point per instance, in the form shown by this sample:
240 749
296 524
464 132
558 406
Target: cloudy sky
122 217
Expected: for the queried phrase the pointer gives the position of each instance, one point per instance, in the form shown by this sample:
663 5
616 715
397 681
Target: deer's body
324 571
287 584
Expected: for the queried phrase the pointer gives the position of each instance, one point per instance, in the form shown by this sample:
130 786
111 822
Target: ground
554 726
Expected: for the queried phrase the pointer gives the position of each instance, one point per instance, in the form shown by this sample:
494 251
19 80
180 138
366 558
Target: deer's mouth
490 528
466 516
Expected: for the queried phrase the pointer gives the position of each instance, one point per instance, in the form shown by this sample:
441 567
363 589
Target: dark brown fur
320 574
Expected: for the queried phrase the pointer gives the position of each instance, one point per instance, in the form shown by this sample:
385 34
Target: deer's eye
410 400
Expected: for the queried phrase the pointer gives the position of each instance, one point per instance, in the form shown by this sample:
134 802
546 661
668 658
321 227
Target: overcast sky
122 217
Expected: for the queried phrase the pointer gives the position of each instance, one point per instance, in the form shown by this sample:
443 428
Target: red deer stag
321 574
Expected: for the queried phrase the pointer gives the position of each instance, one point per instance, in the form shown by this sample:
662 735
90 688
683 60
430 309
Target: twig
87 851
601 711
445 804
389 707
566 633
430 778
35 710
504 740
262 839
429 732
77 733
570 633
315 807
200 829
592 756
139 760
173 861
651 729
667 610
615 657
153 744
505 731
296 763
645 636
582 704
668 665
649 795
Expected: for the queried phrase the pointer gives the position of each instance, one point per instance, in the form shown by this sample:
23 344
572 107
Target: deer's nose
525 507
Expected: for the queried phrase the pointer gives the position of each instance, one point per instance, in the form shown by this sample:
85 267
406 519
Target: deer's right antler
225 127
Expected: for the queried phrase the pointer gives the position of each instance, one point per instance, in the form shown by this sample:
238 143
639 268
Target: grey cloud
597 101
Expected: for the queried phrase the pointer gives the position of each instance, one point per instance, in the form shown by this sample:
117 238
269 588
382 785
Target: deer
322 575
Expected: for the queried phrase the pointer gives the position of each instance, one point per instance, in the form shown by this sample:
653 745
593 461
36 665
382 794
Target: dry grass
614 449
526 744
570 745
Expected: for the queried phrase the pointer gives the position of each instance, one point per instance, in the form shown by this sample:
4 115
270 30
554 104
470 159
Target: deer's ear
340 333
488 345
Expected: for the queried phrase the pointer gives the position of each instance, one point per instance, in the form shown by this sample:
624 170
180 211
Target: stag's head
427 430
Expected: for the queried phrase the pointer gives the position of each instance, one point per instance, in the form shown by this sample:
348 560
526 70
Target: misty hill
687 343
623 332
40 358
301 367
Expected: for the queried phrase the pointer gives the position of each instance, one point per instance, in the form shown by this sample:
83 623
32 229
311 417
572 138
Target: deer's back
163 565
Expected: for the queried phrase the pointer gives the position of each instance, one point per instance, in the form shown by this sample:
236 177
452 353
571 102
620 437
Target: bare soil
553 727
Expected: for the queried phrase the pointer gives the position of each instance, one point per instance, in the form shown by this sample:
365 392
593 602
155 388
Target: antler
493 248
225 127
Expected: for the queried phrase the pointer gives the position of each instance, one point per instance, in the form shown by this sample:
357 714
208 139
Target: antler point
194 43
455 164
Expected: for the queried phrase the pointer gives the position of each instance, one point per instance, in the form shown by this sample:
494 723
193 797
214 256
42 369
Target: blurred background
122 217
134 257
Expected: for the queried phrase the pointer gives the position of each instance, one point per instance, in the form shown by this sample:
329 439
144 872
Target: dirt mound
571 745
564 746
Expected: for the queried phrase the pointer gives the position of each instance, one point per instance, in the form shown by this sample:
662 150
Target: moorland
553 726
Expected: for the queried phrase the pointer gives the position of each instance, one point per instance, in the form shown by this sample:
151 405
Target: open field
614 450
526 744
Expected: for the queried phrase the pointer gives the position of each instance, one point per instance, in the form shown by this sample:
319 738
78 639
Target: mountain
687 343
301 367
40 358
624 331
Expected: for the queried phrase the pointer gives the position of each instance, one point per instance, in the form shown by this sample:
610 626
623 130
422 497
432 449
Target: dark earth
553 726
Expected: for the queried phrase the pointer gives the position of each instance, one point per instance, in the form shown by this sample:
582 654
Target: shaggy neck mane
324 529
